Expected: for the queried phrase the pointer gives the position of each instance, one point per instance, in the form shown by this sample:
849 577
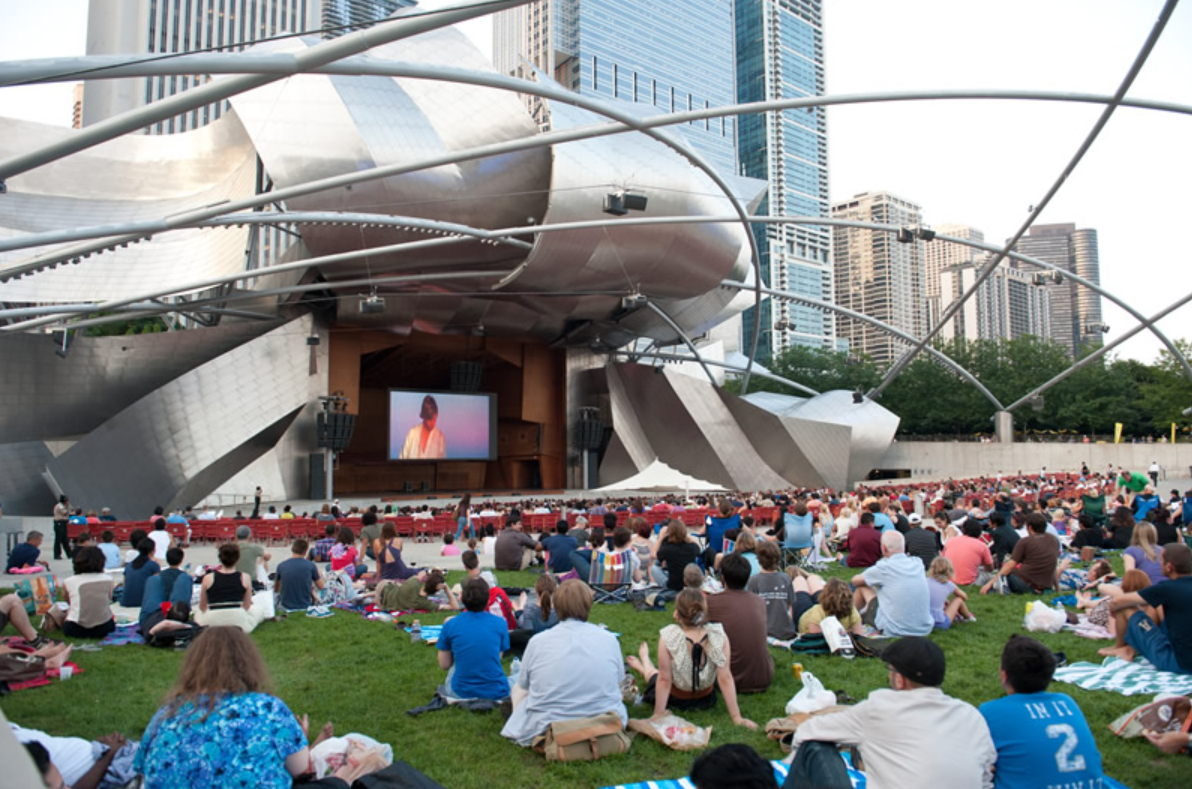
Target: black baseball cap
918 659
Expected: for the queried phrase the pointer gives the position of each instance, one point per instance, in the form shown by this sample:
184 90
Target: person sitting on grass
137 572
1165 637
111 551
939 583
541 614
254 559
863 544
470 646
674 552
892 595
219 725
298 580
1031 568
471 562
733 766
693 660
225 595
834 598
321 551
573 670
27 555
89 595
514 549
12 611
743 616
134 540
910 735
449 547
390 566
970 555
559 546
1143 552
776 591
76 759
344 556
581 558
415 594
1042 738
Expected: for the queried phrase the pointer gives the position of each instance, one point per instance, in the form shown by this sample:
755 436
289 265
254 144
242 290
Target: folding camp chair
611 576
798 539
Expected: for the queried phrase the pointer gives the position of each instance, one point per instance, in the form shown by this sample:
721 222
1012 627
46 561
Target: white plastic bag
1042 618
812 697
333 752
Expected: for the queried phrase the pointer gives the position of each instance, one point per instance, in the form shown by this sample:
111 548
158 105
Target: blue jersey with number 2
1043 742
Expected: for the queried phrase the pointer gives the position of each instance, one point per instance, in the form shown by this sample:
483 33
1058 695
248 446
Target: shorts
941 620
1152 642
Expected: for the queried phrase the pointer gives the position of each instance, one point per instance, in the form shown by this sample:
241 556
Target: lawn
363 676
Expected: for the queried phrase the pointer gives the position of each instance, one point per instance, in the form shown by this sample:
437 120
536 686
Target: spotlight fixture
372 304
61 338
905 235
621 203
858 398
1036 403
312 340
925 233
633 301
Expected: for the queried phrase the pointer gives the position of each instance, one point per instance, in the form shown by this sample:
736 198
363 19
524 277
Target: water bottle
514 671
416 632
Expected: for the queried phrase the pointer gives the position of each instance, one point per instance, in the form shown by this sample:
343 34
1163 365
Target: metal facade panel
22 489
191 427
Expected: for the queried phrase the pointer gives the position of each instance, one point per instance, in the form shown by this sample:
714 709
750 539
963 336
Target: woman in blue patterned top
218 728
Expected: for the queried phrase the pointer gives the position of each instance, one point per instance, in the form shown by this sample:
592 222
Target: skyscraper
120 27
672 55
941 255
878 275
780 55
1075 310
1010 303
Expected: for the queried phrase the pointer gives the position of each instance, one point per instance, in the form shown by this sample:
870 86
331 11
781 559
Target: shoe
41 641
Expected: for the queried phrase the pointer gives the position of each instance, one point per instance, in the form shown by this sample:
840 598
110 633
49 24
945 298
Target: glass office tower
780 55
674 55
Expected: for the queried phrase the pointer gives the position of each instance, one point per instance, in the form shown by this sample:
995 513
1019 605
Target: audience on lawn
1163 635
693 661
742 614
137 572
88 596
921 543
940 585
735 766
969 555
415 594
162 541
776 592
219 725
574 670
344 556
1031 568
225 595
298 580
864 543
1042 739
470 646
27 555
911 735
834 598
390 566
675 551
514 549
370 532
560 546
12 611
1143 552
253 558
542 613
892 595
111 551
79 763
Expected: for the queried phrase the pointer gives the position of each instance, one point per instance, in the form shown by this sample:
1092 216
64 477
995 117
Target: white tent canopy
661 478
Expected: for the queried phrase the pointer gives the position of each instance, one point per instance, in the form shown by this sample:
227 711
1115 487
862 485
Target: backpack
583 739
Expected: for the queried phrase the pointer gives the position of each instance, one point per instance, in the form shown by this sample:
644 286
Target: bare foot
643 652
1125 653
325 733
59 659
635 664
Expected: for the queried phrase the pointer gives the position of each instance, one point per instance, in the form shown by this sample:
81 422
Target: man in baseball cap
911 735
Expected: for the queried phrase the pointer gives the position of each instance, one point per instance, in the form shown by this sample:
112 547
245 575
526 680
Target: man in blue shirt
26 554
893 595
1167 644
881 521
560 545
470 647
297 578
1042 738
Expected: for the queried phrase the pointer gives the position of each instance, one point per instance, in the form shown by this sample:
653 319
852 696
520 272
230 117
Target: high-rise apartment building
672 55
878 275
1075 310
1010 303
780 55
939 255
120 27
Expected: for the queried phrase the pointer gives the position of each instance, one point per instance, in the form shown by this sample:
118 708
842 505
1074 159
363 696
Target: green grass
363 676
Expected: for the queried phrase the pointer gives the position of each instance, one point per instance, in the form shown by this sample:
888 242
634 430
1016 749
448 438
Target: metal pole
328 473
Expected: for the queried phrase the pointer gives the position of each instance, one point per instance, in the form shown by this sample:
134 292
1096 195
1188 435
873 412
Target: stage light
371 305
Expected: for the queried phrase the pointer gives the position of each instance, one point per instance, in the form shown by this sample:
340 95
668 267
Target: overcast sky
980 163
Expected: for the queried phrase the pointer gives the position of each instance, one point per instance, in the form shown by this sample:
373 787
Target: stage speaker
318 479
589 434
465 376
335 430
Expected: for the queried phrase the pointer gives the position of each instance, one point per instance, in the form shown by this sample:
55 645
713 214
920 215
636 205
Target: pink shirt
450 550
967 554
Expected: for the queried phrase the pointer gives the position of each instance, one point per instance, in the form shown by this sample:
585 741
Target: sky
978 163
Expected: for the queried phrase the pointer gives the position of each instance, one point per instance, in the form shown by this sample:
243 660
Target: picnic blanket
780 771
1135 678
123 634
43 680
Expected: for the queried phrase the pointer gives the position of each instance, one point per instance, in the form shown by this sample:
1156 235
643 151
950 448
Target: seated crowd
736 584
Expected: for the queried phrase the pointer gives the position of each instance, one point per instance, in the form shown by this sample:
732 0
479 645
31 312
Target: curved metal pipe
1104 349
633 356
661 313
823 305
1152 38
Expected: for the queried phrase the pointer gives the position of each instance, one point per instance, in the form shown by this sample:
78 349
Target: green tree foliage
932 399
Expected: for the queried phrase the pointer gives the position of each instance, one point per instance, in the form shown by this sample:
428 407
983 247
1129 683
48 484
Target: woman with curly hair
220 727
835 599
